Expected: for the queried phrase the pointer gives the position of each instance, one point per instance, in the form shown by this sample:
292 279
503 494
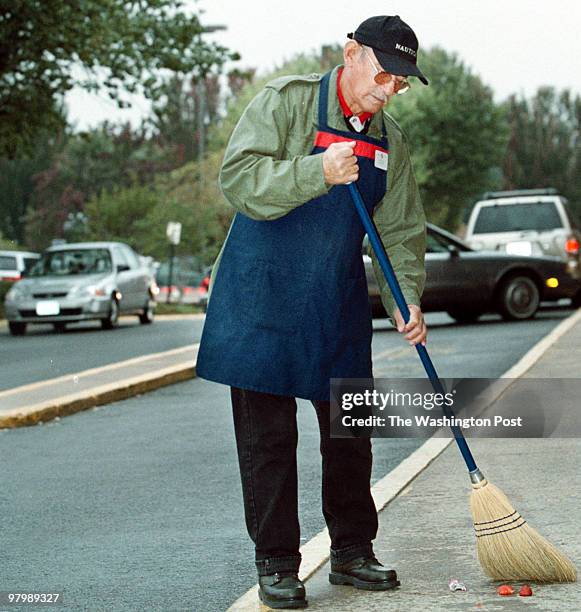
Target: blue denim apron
289 307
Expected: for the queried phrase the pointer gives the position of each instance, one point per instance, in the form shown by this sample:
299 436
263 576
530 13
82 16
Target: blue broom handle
393 283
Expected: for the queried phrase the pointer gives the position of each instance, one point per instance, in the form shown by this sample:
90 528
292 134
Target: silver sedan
81 282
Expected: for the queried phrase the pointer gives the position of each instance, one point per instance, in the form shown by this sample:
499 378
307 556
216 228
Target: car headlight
15 293
88 291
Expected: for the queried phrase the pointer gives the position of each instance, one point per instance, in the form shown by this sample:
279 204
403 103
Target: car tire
518 298
465 316
59 328
148 314
112 319
17 329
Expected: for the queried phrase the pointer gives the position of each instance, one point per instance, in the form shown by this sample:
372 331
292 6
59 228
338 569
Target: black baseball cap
394 43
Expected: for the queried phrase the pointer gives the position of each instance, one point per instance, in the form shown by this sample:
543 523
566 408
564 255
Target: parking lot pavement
426 531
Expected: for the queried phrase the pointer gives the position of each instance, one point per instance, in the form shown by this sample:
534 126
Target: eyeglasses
383 78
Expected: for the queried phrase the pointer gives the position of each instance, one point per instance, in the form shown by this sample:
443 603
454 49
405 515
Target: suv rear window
540 216
8 263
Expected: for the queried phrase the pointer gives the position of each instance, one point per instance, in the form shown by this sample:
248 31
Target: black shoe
364 573
282 590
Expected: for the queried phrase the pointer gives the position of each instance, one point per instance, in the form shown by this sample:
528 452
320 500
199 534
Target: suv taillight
572 246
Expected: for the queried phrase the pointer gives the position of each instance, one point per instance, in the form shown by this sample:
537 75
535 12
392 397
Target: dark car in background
467 283
81 282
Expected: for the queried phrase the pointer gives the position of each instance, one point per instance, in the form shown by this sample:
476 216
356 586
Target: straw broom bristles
508 549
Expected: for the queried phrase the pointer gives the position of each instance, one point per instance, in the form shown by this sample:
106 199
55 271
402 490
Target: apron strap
323 98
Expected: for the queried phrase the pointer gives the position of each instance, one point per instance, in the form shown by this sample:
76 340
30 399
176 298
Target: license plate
46 309
520 247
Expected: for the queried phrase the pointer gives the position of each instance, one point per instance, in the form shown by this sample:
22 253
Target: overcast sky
514 45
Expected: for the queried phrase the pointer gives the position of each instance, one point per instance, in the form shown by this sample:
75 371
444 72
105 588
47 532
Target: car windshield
8 263
539 216
73 262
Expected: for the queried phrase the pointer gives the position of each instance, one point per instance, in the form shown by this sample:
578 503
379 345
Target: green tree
18 180
118 214
47 48
180 115
544 148
105 158
204 213
8 245
457 136
139 214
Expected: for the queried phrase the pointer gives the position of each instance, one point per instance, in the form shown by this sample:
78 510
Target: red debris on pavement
525 591
505 589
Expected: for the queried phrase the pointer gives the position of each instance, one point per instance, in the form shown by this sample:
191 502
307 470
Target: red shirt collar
363 117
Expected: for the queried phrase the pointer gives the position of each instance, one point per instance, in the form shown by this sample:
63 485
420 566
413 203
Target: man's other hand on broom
415 330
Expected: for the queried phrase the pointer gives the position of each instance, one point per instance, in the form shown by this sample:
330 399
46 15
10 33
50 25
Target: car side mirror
122 268
453 250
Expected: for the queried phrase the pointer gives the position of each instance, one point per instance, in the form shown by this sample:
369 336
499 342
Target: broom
508 548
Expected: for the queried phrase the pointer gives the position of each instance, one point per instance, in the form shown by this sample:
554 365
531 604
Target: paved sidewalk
426 533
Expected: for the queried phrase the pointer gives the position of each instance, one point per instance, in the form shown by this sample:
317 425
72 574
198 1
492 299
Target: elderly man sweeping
289 309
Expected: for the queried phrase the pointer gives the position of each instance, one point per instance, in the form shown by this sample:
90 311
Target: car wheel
59 328
148 314
465 316
17 329
518 298
113 317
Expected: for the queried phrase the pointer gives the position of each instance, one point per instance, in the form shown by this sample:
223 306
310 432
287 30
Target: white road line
179 317
315 552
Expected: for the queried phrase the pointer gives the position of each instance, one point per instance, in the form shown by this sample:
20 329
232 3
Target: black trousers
266 438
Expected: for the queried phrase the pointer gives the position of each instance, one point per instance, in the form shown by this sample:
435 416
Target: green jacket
268 171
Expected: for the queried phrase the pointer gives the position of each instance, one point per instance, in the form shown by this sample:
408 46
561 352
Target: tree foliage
46 48
139 214
180 116
103 159
457 136
544 148
18 180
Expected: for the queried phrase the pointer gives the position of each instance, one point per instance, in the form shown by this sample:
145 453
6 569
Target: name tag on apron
380 159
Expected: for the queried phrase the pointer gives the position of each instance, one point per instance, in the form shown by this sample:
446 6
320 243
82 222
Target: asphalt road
137 505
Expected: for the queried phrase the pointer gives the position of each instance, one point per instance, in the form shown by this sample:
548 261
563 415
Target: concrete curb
315 552
106 394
